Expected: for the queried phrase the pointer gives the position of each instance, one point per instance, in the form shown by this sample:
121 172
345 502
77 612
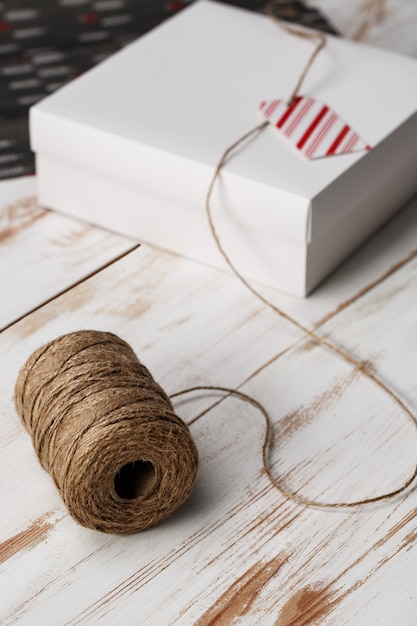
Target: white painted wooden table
237 552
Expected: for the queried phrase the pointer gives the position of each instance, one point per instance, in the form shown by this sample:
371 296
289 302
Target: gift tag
312 127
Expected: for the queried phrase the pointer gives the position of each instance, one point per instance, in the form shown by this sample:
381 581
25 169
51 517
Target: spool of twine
106 432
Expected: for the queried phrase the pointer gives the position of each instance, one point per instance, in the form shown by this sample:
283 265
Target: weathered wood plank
42 253
237 549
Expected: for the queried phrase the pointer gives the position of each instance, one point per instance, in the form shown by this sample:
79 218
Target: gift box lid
159 114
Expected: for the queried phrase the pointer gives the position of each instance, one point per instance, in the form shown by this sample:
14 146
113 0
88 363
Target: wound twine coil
106 432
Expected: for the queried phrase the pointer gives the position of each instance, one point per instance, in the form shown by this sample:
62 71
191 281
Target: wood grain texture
237 552
24 538
41 253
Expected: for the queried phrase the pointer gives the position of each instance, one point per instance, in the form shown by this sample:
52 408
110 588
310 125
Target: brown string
356 363
317 36
268 442
375 12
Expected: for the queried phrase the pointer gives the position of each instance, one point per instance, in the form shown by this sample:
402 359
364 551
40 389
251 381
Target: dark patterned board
46 43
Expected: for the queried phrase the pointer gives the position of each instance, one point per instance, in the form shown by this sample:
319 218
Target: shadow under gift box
132 145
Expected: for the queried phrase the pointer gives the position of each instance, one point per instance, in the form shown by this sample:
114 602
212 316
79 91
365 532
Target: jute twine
320 42
373 12
106 432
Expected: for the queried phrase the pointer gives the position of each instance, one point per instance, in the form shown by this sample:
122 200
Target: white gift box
132 145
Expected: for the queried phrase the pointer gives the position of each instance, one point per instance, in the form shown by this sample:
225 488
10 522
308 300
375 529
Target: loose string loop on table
267 446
